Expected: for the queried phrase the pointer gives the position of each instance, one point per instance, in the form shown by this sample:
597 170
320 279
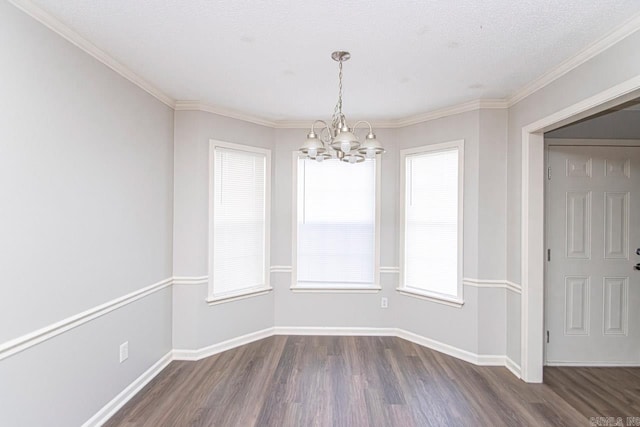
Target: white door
592 299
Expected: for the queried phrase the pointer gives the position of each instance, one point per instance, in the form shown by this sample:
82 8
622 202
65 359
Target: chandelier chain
337 112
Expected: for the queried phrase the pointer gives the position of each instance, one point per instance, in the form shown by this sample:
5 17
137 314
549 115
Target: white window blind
336 217
239 220
431 222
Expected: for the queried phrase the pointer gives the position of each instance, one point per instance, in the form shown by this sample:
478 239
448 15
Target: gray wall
195 323
300 309
613 66
481 321
479 326
623 124
86 178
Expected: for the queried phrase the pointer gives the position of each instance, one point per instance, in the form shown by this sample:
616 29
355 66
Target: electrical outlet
124 351
384 302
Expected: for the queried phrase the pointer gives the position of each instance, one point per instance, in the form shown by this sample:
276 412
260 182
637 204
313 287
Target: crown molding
604 43
609 40
221 111
411 120
389 124
306 124
450 111
70 35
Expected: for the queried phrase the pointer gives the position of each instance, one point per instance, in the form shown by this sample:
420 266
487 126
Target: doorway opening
532 217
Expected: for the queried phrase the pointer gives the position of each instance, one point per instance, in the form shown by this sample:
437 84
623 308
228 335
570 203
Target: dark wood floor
598 392
353 381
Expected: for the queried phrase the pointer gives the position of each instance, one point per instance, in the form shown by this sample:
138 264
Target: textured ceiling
272 58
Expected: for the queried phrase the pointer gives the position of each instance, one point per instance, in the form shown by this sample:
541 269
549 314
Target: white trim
85 45
385 124
512 366
477 359
333 289
599 46
289 269
335 331
464 107
281 269
431 296
457 300
224 112
26 341
594 364
532 220
222 346
458 353
481 283
242 294
512 286
189 280
108 410
212 298
450 111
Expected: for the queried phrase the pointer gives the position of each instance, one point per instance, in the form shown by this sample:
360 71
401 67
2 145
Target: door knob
637 266
638 251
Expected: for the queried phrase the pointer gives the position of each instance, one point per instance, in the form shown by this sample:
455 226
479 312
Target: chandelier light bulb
345 146
371 153
352 159
313 152
320 159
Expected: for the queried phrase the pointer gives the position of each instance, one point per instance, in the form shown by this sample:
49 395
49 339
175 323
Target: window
336 225
431 222
239 220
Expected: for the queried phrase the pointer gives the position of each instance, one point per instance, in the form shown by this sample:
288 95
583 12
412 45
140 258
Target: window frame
454 301
212 297
331 287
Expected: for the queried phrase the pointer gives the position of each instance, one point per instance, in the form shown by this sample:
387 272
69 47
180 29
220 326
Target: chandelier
339 141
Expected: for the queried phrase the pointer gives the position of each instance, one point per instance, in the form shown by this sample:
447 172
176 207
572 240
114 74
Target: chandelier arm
326 137
318 121
362 121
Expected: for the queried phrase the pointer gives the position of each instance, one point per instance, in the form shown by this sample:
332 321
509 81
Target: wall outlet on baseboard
124 351
384 302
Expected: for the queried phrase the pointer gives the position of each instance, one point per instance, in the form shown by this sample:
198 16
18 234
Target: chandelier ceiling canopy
338 140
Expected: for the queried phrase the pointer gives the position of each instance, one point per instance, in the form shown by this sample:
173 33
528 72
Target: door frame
532 218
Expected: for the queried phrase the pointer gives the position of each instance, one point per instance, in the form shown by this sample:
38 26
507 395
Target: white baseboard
125 395
222 346
337 331
593 364
467 356
512 366
458 353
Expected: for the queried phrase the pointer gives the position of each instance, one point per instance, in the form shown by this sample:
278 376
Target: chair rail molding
493 283
38 336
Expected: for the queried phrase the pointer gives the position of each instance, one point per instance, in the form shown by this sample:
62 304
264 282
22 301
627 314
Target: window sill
336 289
245 293
440 299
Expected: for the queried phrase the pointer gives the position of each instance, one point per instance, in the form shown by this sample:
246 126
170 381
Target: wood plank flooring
598 392
342 381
